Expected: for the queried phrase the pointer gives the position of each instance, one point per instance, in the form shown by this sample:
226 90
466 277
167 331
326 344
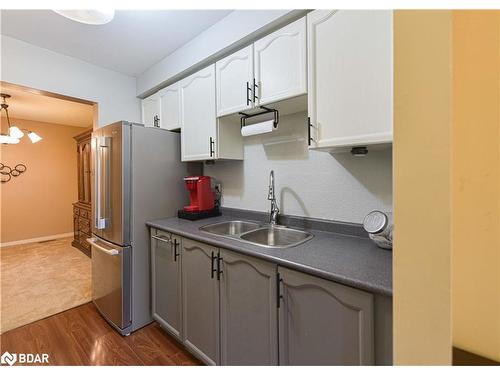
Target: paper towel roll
259 128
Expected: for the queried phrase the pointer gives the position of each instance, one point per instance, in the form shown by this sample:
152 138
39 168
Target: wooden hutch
82 208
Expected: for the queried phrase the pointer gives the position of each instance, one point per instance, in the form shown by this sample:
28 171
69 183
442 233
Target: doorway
45 204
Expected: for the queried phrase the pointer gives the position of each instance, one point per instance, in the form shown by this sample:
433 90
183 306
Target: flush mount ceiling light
14 134
88 16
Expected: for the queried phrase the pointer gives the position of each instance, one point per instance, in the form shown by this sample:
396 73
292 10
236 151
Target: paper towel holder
265 110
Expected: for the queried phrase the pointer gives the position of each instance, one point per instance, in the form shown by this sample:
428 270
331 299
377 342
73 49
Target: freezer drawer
111 281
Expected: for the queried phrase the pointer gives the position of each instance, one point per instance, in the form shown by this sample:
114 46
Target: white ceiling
26 105
130 44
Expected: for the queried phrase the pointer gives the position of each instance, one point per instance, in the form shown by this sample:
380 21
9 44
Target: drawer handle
93 242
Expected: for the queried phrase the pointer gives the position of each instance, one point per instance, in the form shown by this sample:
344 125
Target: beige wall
422 176
38 203
446 185
476 182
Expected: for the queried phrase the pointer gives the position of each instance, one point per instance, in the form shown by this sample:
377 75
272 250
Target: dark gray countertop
350 260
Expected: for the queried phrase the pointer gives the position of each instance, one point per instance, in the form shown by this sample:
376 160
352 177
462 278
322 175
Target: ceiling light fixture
34 137
88 16
14 134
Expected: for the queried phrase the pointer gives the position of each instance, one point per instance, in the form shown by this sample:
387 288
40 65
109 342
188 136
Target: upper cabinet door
280 63
151 111
198 116
235 82
350 77
170 107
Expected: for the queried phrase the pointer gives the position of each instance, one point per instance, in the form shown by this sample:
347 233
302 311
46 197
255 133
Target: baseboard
37 239
465 358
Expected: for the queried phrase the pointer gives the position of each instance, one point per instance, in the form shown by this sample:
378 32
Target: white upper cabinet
151 111
280 62
350 82
235 82
162 109
170 107
198 117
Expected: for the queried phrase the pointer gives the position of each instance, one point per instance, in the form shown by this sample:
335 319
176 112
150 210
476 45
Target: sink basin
276 237
230 228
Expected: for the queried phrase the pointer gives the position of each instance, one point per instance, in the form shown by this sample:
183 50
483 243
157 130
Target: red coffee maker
202 199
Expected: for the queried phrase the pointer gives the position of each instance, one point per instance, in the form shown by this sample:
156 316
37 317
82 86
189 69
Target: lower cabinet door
323 323
166 281
200 308
248 311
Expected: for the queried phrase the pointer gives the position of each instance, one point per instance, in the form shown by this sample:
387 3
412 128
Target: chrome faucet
273 217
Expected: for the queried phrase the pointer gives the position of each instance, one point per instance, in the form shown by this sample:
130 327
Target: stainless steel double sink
271 236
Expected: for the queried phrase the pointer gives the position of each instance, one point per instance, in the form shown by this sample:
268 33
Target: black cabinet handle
156 121
279 296
219 271
212 147
212 268
309 125
249 90
176 254
255 87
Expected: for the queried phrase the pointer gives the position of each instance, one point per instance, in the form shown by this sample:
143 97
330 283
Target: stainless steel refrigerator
137 175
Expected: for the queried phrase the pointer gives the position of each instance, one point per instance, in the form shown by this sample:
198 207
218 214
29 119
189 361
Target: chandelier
14 134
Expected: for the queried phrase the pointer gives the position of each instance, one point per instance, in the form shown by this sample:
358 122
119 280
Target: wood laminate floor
80 336
41 279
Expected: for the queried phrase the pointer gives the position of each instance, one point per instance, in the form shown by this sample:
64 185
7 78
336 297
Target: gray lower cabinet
200 300
323 323
227 309
166 281
248 310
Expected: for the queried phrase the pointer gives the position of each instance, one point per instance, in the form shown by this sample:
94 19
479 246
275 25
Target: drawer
85 229
84 221
84 243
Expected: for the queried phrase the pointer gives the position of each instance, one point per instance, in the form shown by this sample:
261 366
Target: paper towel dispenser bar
264 111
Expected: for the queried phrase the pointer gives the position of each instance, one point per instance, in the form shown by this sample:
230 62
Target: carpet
41 279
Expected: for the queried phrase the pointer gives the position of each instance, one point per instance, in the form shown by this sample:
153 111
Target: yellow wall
421 154
476 182
38 203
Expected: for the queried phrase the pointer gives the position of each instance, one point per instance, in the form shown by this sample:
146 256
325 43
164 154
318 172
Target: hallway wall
38 202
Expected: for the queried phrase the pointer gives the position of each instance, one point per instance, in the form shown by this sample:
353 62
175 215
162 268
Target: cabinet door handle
279 296
163 239
249 90
219 271
212 268
255 87
212 143
309 125
176 253
156 121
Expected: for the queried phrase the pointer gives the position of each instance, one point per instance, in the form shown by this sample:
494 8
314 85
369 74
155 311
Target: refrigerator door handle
102 188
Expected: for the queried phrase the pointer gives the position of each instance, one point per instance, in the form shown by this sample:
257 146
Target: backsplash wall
308 183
